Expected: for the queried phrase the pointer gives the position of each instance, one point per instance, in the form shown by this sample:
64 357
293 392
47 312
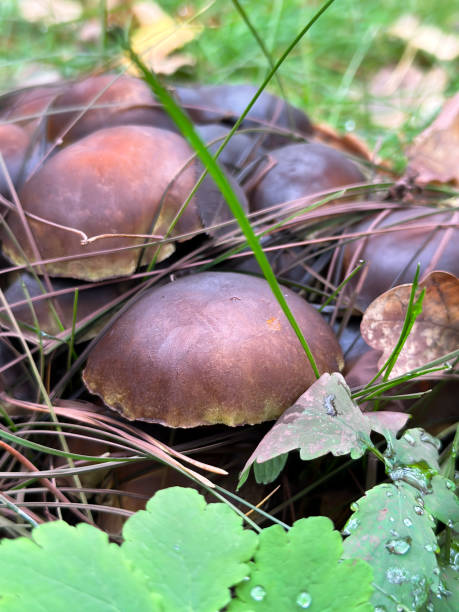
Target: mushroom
301 170
104 101
392 257
226 103
22 287
14 143
120 180
209 348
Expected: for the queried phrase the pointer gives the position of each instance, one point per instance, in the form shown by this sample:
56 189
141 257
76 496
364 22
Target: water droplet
349 125
176 547
419 510
391 519
304 599
354 507
396 575
246 578
428 439
398 546
430 607
350 526
409 438
399 609
407 522
436 571
420 501
450 484
450 524
258 593
394 534
429 548
389 493
380 609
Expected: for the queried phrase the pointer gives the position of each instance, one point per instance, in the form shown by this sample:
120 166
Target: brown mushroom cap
226 103
14 143
124 180
23 286
209 348
392 257
301 170
111 101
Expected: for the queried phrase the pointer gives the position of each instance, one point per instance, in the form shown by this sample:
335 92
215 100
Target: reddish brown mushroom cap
104 101
210 348
301 170
112 181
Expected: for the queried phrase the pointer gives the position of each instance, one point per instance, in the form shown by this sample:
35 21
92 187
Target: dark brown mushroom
14 143
209 348
22 287
121 180
391 258
110 100
301 170
226 103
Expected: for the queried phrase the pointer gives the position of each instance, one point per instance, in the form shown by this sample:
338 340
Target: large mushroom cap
391 258
120 180
210 348
104 101
226 103
301 170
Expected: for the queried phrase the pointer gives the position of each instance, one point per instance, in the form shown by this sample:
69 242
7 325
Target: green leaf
65 568
442 502
191 552
302 569
415 448
269 470
324 419
391 530
447 599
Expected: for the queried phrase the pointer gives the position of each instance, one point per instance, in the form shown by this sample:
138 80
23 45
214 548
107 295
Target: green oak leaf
391 530
301 569
64 568
191 552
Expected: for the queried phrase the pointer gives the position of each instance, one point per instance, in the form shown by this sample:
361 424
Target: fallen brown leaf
427 38
158 36
435 332
434 154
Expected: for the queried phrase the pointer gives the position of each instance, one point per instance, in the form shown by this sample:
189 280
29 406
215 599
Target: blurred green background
350 71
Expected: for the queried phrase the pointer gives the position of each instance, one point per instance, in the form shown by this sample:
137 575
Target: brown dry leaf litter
434 154
435 332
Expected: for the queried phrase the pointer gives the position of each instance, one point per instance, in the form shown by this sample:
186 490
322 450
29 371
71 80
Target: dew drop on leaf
407 522
429 547
399 546
450 485
350 526
427 438
409 438
436 571
389 493
430 607
418 510
396 575
354 507
304 600
258 593
380 609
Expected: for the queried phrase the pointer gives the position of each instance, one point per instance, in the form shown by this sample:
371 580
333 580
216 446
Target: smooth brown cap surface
209 348
392 257
301 170
110 100
112 181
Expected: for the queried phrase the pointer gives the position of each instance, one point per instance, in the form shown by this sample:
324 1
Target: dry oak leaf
158 36
434 154
435 331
